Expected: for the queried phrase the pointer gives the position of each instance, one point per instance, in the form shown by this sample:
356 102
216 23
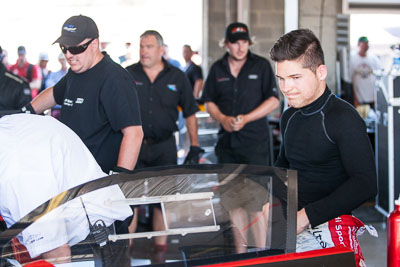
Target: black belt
152 141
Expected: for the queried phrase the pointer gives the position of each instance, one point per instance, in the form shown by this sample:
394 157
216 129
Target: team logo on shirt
68 102
172 87
222 79
253 76
138 83
79 100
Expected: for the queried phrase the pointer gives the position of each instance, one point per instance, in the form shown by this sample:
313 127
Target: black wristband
28 109
121 169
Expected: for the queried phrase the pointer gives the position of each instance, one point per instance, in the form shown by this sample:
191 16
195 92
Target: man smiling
98 98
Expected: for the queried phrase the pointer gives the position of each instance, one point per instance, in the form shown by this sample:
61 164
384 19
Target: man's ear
322 72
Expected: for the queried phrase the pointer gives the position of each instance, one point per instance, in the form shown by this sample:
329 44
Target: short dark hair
188 46
299 44
160 40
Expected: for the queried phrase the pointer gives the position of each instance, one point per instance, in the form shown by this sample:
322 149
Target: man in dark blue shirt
193 71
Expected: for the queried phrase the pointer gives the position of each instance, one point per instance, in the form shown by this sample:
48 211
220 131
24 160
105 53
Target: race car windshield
208 214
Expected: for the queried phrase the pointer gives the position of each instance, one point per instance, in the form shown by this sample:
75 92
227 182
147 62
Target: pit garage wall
266 22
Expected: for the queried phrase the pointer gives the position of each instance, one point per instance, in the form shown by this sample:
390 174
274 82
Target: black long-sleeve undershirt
327 143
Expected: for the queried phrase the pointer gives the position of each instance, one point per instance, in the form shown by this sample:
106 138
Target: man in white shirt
362 65
41 158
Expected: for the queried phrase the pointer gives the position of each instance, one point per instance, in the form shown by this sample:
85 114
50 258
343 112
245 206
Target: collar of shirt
318 104
249 60
166 68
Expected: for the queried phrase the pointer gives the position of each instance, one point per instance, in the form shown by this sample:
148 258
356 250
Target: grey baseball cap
76 29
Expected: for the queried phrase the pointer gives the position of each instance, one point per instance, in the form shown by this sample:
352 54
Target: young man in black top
98 98
14 91
240 91
323 137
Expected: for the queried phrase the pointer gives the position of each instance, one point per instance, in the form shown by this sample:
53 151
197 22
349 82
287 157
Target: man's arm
191 125
348 131
226 121
130 147
43 101
302 221
58 255
198 86
356 103
35 84
261 111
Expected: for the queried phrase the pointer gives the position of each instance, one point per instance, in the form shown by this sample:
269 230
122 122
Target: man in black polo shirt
98 98
161 89
239 92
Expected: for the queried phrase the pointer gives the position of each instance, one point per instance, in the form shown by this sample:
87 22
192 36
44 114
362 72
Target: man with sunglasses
98 98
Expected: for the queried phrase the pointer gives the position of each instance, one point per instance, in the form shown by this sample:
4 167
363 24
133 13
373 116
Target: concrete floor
374 249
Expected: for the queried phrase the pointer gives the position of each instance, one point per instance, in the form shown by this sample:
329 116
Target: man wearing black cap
239 92
98 98
14 91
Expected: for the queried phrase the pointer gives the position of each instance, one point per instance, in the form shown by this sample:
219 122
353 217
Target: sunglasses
75 50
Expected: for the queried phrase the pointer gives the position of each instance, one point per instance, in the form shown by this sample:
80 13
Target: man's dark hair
188 46
301 45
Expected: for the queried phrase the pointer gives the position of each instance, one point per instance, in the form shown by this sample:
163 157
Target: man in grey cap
98 98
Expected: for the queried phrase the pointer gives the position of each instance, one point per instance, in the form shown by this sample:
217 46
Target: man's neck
153 71
97 58
21 63
362 53
235 65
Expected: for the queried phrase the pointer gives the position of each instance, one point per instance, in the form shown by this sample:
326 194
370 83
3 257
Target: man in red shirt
27 71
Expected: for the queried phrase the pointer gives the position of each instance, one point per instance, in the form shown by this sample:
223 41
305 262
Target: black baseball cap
76 29
237 31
